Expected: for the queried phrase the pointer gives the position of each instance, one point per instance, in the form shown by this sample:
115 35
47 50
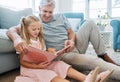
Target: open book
35 55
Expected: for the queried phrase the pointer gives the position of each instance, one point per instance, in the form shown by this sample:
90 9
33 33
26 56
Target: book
35 55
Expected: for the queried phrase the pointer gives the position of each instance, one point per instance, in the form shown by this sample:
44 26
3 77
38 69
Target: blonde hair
25 22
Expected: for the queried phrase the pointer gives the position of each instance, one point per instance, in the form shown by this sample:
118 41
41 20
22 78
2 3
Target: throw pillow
11 17
74 22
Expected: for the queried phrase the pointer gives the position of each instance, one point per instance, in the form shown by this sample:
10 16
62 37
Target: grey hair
47 2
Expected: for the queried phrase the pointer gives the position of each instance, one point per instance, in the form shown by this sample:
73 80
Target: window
91 8
115 8
15 3
79 5
36 6
97 7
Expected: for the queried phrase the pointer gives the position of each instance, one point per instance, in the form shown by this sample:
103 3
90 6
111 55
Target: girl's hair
25 22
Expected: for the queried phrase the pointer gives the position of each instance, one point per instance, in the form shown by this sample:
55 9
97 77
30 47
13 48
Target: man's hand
71 44
21 47
62 51
52 50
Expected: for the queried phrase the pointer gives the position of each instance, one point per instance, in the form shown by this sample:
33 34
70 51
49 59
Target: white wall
63 6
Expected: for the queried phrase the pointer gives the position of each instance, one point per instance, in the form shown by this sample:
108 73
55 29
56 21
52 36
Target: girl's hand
71 44
43 65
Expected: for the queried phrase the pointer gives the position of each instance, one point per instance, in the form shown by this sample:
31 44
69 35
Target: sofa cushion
74 22
6 45
75 19
10 17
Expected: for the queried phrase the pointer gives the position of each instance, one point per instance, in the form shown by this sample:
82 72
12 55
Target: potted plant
103 21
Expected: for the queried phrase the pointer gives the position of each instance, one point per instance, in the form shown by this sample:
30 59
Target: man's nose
47 14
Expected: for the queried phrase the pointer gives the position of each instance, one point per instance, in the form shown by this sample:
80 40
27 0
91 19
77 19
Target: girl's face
34 30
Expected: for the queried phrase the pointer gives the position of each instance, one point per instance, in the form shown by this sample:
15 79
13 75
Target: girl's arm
32 65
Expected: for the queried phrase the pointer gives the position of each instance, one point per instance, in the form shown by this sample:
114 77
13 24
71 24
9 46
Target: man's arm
71 40
71 35
14 34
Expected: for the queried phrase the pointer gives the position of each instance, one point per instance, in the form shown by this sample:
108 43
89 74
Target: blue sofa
8 18
75 19
116 34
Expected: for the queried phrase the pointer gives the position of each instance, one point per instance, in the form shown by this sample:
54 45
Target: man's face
46 13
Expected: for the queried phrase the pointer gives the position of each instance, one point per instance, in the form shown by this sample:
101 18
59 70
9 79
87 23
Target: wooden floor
9 76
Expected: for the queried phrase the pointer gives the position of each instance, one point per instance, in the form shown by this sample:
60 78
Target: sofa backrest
75 19
11 17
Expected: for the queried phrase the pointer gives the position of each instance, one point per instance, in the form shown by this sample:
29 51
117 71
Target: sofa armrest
115 25
6 45
116 32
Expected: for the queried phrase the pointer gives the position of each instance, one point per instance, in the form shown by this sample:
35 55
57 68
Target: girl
55 71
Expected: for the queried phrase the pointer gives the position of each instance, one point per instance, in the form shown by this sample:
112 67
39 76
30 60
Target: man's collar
53 18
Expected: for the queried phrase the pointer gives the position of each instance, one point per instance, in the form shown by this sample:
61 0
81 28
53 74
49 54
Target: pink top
36 44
